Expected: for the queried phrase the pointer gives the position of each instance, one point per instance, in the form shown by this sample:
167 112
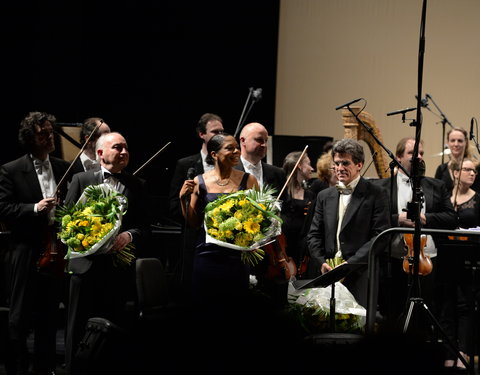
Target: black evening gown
219 275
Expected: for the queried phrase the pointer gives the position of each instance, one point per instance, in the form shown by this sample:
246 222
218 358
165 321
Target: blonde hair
324 167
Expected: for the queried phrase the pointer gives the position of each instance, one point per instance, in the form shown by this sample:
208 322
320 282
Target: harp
356 131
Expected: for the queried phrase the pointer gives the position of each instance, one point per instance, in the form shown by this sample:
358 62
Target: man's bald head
253 142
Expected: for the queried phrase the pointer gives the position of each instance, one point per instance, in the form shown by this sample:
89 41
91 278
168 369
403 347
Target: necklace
220 183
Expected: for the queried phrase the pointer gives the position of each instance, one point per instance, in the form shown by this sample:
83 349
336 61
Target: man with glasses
27 202
348 217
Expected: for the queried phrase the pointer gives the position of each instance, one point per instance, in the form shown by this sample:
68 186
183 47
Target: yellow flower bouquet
91 225
245 220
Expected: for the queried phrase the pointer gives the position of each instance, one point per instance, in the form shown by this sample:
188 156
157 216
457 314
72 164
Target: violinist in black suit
97 286
253 146
87 160
27 202
437 212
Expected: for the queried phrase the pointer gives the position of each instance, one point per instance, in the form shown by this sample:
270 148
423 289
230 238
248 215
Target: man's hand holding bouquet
91 225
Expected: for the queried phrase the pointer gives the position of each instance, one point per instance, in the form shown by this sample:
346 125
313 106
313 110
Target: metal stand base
417 301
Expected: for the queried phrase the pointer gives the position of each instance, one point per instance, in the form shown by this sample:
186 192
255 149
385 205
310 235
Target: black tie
108 174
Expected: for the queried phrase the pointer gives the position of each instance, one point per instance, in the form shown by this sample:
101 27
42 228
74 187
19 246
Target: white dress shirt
254 169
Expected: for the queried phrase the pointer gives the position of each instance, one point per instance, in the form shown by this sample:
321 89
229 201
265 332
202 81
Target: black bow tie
347 190
41 166
108 174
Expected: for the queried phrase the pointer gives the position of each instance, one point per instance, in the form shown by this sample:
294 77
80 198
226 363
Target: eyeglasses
468 170
345 163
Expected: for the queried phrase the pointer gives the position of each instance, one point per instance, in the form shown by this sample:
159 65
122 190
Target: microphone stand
472 137
414 208
244 114
444 122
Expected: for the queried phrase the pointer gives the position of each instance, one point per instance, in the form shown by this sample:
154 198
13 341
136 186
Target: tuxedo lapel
31 178
331 209
357 198
428 193
198 165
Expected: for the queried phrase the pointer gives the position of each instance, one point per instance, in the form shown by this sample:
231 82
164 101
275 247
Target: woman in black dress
296 205
218 273
458 311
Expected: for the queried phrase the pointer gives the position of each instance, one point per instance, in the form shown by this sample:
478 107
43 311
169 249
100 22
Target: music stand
329 278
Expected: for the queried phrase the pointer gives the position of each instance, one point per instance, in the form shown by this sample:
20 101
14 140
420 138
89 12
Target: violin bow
458 181
76 157
153 157
291 173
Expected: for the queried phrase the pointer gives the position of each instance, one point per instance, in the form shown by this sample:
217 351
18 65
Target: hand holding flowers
91 225
245 220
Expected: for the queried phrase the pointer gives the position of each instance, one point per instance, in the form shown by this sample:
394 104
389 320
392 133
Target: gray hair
351 147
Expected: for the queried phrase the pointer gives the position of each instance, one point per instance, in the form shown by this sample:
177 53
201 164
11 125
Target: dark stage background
150 69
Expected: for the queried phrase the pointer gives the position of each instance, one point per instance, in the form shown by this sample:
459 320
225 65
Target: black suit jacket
77 167
179 176
439 211
19 192
365 218
272 175
136 220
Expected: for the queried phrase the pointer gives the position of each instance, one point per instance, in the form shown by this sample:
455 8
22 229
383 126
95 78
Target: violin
425 265
52 260
280 265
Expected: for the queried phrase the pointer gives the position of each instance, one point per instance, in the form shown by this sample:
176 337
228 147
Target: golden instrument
357 131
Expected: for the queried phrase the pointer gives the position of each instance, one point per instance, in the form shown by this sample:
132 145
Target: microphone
257 94
402 111
471 128
191 173
348 104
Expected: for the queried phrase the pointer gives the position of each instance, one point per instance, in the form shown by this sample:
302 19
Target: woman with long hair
296 205
459 147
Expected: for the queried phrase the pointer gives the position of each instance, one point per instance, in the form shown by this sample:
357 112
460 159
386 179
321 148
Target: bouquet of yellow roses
91 225
245 220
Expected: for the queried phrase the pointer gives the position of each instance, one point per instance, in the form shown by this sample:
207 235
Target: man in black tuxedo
437 212
27 201
88 159
253 145
97 286
208 125
348 217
